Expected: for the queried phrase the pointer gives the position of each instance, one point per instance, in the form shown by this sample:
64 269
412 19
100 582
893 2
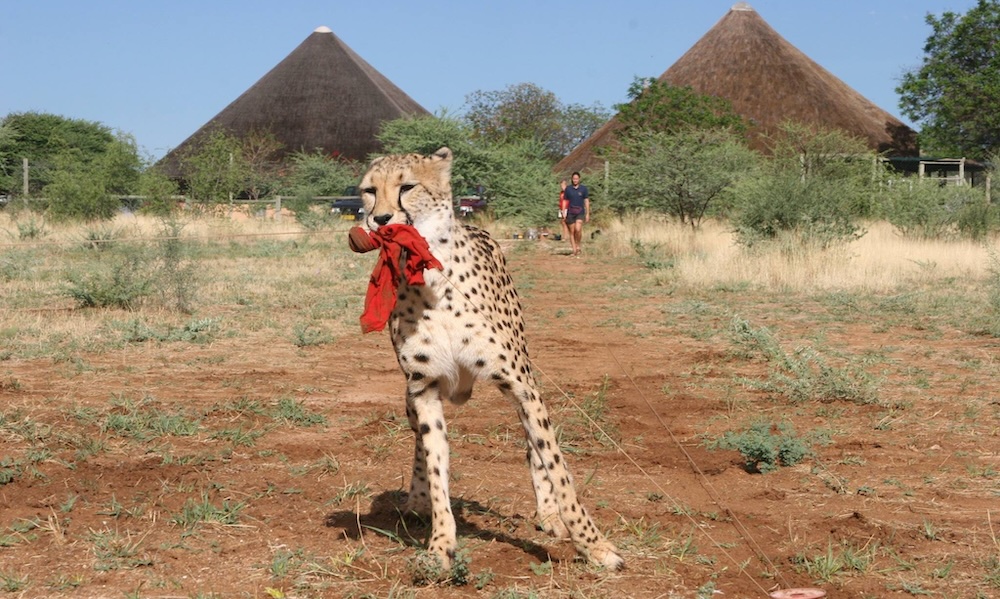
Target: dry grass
881 261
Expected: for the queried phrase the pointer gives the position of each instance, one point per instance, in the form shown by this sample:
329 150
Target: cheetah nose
382 219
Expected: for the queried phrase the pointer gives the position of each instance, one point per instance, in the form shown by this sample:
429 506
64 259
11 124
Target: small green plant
283 562
116 551
822 567
804 375
239 437
425 568
306 335
12 582
541 568
350 491
143 420
101 238
293 411
31 229
196 512
124 281
765 446
651 256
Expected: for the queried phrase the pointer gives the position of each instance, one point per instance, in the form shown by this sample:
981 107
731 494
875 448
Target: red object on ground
384 282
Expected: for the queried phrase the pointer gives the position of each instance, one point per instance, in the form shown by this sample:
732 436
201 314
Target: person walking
577 211
562 209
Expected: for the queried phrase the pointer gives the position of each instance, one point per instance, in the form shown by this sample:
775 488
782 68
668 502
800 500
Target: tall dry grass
881 261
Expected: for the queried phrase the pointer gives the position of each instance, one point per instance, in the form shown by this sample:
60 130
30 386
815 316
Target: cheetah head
408 189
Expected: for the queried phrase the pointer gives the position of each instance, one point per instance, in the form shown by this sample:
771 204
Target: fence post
24 177
277 209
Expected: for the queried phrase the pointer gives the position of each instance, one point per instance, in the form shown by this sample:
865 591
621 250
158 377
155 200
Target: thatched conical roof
321 96
768 81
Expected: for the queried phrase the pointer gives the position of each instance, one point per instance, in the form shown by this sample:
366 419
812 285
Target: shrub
122 282
765 446
79 195
803 375
685 174
816 186
925 209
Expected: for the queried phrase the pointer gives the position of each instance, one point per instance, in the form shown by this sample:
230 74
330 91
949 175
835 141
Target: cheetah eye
368 191
405 188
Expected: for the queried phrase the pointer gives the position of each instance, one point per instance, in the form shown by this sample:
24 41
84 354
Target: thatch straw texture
768 81
321 96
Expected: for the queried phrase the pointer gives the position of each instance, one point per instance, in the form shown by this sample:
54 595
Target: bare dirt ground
895 501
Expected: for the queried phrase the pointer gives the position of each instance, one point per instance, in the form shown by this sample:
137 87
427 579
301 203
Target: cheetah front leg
429 486
419 499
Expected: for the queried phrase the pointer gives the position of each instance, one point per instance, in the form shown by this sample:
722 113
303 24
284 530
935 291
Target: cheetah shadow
386 518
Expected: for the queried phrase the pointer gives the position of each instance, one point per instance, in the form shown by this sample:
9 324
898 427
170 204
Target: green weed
765 446
804 375
116 551
195 512
143 420
293 411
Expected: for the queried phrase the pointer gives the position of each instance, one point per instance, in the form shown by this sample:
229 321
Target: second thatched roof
768 81
322 96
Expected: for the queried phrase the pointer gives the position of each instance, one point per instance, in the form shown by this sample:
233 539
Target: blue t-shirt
576 197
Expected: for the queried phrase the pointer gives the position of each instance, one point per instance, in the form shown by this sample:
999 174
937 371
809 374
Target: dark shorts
572 218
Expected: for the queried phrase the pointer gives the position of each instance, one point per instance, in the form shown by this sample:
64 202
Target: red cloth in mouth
384 283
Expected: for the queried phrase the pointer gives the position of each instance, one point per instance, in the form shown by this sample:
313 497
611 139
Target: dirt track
905 483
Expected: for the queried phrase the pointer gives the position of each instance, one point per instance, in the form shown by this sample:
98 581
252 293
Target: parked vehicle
348 206
472 202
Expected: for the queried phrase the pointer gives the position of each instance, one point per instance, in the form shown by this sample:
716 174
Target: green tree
47 141
85 187
683 174
955 94
214 168
159 191
259 149
515 174
425 134
526 111
656 105
310 174
815 188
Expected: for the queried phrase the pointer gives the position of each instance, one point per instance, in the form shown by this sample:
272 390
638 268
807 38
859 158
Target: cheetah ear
442 160
376 160
443 153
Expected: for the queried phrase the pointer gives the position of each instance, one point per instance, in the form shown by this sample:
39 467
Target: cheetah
465 324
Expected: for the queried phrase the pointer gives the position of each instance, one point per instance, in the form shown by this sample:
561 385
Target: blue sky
160 69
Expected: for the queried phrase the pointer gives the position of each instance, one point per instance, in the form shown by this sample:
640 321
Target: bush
684 174
516 174
925 209
317 174
803 375
817 186
159 191
79 195
122 282
765 446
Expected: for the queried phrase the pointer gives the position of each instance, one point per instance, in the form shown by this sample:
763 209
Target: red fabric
563 202
384 283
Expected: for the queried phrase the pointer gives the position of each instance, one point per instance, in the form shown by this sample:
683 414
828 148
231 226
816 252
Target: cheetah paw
605 554
553 525
419 506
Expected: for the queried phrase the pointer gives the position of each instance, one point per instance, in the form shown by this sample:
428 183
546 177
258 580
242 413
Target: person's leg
577 236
